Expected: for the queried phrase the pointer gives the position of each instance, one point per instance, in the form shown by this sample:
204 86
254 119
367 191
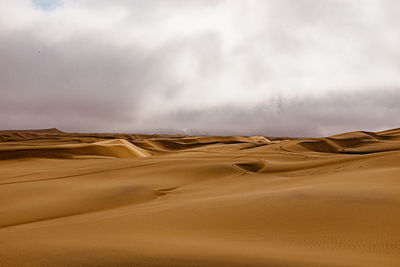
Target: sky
215 67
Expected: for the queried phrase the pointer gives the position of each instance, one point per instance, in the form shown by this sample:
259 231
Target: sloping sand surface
136 200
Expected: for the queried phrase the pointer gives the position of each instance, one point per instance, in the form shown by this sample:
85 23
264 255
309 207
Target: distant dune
35 131
70 199
117 148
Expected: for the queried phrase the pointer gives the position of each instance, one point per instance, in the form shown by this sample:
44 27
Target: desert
199 133
70 199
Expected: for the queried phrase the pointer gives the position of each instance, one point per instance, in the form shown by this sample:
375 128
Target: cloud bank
287 67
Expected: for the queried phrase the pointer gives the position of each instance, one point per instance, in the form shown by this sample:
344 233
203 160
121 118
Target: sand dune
135 200
174 144
350 143
118 148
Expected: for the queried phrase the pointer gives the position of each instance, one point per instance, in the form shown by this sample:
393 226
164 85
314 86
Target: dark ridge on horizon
35 131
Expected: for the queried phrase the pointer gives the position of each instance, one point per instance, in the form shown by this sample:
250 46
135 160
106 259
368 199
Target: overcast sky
255 67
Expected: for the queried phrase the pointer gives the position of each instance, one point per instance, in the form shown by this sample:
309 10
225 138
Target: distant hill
35 131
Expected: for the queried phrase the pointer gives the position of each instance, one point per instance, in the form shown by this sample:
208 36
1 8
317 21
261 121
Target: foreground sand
132 200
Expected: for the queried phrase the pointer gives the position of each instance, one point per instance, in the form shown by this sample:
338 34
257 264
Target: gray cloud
284 67
298 117
79 81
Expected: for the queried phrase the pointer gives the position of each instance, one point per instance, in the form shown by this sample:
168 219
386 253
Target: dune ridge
118 148
70 199
351 143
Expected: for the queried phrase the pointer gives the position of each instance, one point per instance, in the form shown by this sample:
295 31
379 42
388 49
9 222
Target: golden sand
137 200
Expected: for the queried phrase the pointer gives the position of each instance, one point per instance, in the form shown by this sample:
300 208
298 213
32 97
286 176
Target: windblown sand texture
152 200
